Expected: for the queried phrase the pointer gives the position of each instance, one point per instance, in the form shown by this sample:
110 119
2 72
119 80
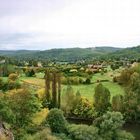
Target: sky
46 24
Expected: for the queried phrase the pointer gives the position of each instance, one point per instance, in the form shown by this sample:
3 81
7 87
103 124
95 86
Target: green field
88 90
85 90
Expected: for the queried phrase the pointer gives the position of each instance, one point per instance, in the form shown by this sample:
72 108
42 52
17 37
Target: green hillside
69 54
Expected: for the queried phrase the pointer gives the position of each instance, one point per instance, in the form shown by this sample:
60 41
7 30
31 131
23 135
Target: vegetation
43 98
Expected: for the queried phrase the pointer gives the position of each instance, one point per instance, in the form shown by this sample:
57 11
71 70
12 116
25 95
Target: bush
1 83
83 132
13 84
56 121
30 72
101 99
87 81
13 76
123 135
83 108
44 135
110 125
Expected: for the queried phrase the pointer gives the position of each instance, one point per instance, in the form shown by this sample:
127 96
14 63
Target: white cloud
75 23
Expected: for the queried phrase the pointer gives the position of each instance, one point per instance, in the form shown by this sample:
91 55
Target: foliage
83 132
64 55
1 83
109 126
87 81
83 108
13 84
69 99
40 117
101 99
18 108
13 77
123 135
29 72
56 121
131 100
44 135
117 103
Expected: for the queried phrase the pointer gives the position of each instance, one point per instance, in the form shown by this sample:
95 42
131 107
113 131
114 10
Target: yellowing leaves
39 117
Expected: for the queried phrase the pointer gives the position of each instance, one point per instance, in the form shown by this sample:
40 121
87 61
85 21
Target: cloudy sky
45 24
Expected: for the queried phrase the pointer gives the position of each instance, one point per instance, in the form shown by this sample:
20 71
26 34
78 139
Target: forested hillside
69 54
130 53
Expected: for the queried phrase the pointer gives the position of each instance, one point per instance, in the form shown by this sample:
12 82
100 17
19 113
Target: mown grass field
85 90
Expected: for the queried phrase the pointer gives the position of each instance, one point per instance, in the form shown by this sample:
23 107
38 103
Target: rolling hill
68 54
127 53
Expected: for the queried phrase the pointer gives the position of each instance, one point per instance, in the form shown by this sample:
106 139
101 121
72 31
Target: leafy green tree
56 121
117 103
59 90
54 89
53 97
21 105
83 132
29 72
69 99
82 108
45 134
101 99
131 99
1 84
47 85
110 125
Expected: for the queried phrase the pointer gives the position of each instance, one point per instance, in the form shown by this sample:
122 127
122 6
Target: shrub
13 76
110 125
83 108
83 132
13 84
87 81
1 83
44 135
123 135
56 121
101 99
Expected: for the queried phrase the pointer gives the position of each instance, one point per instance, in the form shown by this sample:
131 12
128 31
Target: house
2 61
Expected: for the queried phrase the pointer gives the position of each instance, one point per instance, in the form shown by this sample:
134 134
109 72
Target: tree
69 100
110 125
59 90
17 108
53 97
54 89
1 83
83 132
56 121
13 77
47 85
101 99
117 103
29 72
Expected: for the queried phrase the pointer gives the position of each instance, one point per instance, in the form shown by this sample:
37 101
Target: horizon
49 24
63 48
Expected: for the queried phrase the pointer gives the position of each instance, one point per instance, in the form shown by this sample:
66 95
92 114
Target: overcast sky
45 24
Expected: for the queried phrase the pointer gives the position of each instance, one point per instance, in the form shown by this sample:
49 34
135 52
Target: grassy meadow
85 90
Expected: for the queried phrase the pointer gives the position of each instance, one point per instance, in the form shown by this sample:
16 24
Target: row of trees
129 104
52 89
